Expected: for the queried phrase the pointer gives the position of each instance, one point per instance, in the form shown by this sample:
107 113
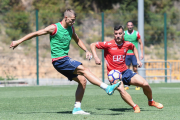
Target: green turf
56 103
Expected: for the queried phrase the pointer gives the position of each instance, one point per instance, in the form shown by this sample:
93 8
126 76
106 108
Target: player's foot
111 88
155 104
79 111
126 88
137 88
136 109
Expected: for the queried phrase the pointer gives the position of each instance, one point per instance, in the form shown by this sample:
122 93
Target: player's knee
84 70
84 82
121 89
145 84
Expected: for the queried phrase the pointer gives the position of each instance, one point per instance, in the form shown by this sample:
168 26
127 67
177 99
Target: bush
13 34
1 78
16 23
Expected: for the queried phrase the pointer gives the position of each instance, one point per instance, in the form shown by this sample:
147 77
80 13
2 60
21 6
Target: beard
130 29
118 39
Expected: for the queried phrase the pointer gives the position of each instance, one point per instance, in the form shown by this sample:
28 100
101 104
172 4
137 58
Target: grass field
56 103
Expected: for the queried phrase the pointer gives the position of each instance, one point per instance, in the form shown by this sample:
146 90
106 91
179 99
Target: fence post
37 50
165 47
102 17
141 31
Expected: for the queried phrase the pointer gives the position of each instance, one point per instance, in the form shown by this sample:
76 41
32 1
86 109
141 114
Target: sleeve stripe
97 45
138 35
73 29
55 31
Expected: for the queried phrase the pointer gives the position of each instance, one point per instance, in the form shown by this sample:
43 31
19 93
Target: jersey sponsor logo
118 58
113 48
124 50
109 43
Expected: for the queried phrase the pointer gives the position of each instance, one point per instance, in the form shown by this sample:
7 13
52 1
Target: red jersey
115 54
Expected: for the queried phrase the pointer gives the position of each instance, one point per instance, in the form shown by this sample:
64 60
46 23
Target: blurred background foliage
17 17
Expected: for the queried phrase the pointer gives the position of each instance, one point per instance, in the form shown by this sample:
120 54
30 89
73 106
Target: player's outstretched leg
81 70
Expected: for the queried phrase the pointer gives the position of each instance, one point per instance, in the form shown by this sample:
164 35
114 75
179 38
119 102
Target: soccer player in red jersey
115 54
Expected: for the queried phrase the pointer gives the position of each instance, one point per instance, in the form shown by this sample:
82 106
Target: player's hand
139 63
14 44
97 61
141 57
88 55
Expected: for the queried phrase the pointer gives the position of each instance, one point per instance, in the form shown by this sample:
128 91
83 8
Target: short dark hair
117 27
69 12
130 21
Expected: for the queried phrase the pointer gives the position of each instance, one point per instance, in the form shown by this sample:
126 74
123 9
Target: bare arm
137 56
141 47
79 42
81 45
47 30
93 49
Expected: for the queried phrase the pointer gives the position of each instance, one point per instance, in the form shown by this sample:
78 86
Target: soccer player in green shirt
60 37
132 36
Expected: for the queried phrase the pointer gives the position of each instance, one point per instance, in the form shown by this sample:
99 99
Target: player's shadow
129 109
107 114
117 109
94 113
121 109
62 112
67 112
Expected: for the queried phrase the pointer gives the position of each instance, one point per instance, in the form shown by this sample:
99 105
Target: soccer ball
114 76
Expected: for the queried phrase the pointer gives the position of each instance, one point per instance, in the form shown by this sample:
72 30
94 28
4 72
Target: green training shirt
133 38
60 40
